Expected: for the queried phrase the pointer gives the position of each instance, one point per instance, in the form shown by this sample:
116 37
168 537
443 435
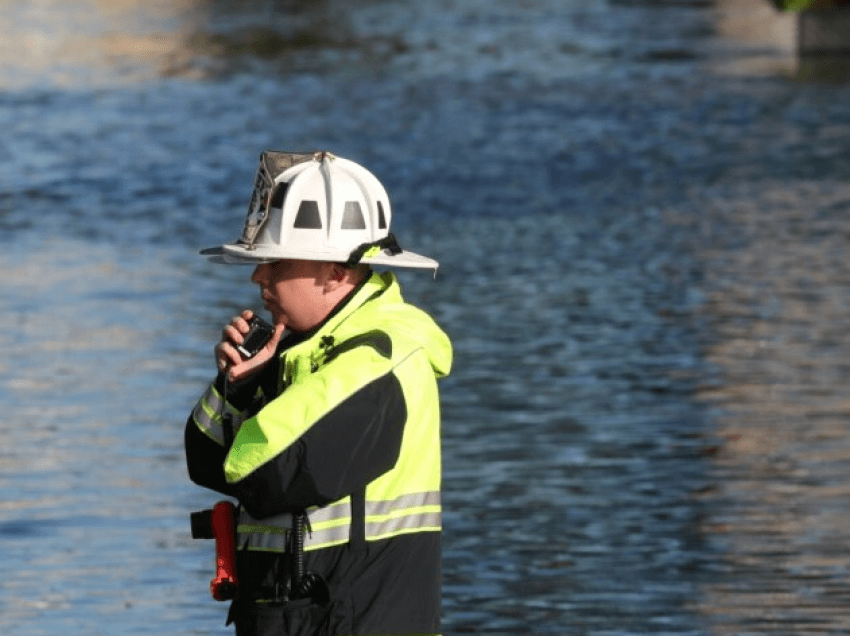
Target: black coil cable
226 415
297 544
304 584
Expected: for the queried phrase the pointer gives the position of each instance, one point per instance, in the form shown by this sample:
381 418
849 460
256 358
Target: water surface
640 213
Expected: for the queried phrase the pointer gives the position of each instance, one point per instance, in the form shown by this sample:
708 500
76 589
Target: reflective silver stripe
330 513
263 542
417 511
327 537
270 535
408 513
209 422
401 525
207 414
413 500
331 525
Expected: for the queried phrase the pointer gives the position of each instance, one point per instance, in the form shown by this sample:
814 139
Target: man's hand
229 359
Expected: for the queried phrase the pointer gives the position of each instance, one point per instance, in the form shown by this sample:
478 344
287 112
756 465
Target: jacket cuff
240 394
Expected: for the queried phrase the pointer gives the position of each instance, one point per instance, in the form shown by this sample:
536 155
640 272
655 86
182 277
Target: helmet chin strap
389 242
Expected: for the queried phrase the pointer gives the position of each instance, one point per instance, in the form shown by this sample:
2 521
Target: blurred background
640 208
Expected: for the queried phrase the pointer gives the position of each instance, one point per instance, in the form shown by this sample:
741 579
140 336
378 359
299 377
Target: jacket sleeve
205 459
322 439
203 436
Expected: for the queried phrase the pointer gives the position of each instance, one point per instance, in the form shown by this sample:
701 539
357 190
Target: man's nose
257 276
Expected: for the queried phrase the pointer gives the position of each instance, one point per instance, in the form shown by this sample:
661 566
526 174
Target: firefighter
329 436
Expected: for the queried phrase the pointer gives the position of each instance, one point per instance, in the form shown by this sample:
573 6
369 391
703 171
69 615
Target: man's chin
278 317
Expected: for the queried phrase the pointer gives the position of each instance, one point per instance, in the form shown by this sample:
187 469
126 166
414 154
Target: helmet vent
382 220
352 217
308 217
278 195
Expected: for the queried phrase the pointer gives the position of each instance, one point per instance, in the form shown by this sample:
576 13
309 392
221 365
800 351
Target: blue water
640 217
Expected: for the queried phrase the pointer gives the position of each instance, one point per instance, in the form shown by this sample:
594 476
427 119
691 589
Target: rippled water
640 210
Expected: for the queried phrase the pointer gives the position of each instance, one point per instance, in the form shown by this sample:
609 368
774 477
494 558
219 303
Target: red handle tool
220 524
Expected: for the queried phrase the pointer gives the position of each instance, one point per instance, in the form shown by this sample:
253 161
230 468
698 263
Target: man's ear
337 273
335 276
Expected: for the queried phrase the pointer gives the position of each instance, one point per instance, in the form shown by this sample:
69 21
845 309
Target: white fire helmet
318 207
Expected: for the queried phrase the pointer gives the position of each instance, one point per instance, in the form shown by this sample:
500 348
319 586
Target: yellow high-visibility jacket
344 425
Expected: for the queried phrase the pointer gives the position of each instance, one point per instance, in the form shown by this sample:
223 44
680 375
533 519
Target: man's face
292 291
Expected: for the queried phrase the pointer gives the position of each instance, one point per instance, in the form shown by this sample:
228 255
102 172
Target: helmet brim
402 259
223 257
240 254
